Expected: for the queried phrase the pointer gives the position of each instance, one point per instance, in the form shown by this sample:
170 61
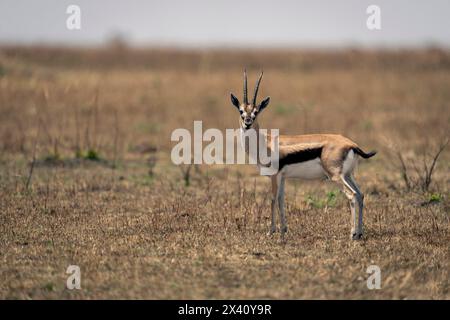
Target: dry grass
104 194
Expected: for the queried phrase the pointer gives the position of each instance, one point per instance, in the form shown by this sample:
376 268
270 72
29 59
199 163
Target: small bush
92 155
49 287
422 178
435 197
329 201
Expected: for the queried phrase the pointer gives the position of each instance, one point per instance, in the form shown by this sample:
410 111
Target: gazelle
311 156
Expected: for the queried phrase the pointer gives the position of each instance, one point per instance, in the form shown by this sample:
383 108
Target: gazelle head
249 111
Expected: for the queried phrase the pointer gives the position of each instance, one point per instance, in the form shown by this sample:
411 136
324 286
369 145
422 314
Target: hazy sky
292 23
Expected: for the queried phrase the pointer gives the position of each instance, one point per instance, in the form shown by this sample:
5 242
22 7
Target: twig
30 173
116 137
433 164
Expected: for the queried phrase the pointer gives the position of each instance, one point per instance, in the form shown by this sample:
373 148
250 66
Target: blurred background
198 49
202 23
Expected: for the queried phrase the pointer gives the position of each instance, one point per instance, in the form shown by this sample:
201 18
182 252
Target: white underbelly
311 169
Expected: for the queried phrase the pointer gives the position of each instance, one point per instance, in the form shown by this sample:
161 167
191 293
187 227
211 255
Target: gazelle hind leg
355 197
360 200
352 200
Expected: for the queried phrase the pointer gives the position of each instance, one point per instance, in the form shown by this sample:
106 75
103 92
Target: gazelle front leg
273 206
281 205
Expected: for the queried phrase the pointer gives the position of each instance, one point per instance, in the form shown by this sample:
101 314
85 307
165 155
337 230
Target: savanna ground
86 177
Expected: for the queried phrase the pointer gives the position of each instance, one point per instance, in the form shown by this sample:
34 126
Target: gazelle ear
235 101
264 104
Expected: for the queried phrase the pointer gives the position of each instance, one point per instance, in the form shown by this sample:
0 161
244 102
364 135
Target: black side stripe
300 156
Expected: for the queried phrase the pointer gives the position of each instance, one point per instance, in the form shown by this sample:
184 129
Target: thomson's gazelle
312 156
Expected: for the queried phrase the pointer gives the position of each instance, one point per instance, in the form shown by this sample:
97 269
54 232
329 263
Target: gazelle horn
245 87
256 88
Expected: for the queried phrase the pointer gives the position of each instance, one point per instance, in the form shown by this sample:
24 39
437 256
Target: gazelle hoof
271 231
284 229
357 235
